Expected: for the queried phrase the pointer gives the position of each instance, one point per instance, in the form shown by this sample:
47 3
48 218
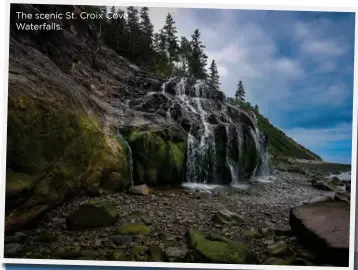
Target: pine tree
257 108
170 39
146 41
182 66
133 34
198 59
214 76
240 92
161 60
146 27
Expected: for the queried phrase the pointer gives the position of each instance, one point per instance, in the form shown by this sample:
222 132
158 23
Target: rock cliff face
82 118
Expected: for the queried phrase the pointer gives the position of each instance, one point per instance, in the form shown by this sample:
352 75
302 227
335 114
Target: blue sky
297 66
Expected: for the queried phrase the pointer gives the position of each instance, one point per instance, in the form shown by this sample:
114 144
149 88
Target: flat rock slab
324 228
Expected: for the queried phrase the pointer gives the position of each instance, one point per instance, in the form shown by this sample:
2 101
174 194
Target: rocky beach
155 227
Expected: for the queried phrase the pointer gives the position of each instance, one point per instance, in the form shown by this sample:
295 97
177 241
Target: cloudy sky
297 66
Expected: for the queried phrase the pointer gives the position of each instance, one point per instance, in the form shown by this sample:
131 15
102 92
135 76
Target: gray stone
121 239
176 254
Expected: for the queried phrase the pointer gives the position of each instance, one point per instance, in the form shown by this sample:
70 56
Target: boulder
139 190
225 216
220 250
121 239
253 233
319 199
134 229
92 214
52 152
277 249
343 196
176 254
323 227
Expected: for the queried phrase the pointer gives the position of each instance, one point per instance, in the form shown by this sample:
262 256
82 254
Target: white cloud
313 40
321 137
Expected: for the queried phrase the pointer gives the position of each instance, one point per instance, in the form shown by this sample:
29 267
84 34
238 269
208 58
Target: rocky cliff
82 119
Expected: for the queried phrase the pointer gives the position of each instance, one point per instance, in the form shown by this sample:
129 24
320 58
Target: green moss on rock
134 229
93 214
152 152
52 151
219 251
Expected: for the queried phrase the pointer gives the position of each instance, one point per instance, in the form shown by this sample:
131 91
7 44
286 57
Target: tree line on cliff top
132 36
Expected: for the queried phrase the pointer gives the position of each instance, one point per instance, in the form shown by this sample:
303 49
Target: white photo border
293 5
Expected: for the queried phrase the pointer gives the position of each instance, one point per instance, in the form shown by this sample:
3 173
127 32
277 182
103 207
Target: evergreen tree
240 92
161 60
115 35
169 38
133 34
147 53
146 27
198 59
182 66
257 108
214 76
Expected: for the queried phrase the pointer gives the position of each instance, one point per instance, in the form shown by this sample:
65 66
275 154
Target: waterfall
232 165
196 101
128 154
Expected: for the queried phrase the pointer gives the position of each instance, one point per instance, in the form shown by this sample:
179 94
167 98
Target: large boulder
52 153
323 227
92 214
219 250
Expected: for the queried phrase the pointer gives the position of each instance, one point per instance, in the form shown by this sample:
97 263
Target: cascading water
207 115
128 154
233 166
201 149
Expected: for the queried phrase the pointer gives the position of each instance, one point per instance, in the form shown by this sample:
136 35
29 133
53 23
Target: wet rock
325 185
335 181
134 229
278 248
225 216
324 228
92 214
121 239
319 199
139 190
176 254
252 233
219 251
342 196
